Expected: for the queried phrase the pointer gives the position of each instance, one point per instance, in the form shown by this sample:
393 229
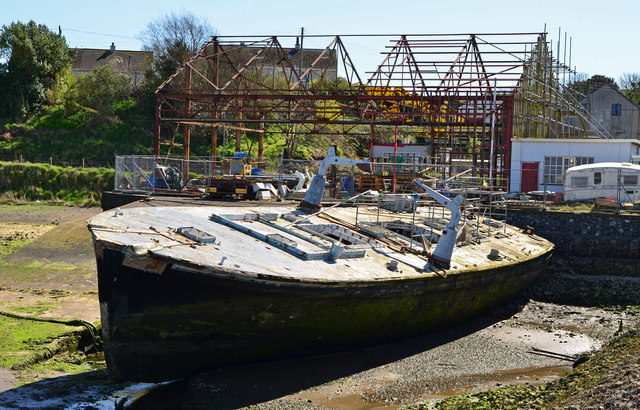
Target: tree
174 38
583 87
32 57
102 88
630 86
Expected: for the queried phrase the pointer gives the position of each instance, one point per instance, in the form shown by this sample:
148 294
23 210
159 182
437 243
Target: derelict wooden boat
187 289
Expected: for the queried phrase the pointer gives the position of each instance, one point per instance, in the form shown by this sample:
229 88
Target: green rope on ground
95 333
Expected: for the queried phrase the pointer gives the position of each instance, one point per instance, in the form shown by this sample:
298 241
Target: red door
529 176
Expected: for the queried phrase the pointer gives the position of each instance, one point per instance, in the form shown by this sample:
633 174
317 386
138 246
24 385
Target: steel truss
454 91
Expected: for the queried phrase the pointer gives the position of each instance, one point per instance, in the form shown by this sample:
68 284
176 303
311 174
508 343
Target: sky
605 36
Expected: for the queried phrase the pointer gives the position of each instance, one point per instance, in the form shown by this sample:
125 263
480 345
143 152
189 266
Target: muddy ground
517 344
520 343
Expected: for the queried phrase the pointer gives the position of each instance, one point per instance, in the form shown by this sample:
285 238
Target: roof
122 61
600 165
577 140
601 86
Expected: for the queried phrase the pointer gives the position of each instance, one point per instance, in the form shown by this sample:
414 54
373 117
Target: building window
554 167
583 160
616 110
597 178
629 180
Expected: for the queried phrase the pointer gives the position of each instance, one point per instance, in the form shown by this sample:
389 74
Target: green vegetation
15 242
20 338
39 308
630 86
47 114
80 186
9 206
66 363
58 134
32 57
15 235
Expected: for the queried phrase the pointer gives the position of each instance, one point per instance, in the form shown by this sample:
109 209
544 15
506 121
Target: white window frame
555 167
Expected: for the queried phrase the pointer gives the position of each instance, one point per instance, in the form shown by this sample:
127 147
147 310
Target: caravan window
579 182
629 180
597 178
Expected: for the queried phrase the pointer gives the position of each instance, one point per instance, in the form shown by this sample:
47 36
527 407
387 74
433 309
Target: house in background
614 114
539 161
132 64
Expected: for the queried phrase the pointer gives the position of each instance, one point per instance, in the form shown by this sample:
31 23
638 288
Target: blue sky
605 35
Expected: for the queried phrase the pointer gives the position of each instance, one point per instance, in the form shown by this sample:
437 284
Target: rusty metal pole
216 114
240 128
187 128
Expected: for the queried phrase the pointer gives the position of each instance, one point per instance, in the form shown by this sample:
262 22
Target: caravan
618 180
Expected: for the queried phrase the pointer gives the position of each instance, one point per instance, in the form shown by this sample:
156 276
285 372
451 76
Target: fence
81 163
148 174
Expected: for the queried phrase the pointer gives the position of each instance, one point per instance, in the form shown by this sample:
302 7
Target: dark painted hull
164 326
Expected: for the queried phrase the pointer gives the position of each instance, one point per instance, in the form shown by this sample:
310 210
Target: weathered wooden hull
160 326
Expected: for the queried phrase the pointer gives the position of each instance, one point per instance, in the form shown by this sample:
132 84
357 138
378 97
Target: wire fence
140 173
80 163
150 174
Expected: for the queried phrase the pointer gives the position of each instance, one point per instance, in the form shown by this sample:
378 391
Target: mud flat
495 350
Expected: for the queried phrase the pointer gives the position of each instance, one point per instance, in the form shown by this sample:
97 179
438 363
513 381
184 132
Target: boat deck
320 248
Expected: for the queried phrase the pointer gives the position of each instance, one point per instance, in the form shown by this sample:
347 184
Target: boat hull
161 326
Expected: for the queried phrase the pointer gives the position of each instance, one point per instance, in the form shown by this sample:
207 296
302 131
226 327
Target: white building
413 153
536 161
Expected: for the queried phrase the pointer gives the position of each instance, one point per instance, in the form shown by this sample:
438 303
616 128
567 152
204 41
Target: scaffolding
466 95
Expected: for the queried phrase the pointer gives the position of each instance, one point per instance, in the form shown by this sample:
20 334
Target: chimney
113 48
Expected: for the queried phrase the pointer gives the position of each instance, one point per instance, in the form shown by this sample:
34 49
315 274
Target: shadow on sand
246 385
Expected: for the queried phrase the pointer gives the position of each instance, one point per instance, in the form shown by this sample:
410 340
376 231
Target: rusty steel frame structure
457 90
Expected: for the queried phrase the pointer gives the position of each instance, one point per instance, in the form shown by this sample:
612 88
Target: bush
102 89
49 182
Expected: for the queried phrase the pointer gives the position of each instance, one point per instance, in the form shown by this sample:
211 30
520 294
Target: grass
38 309
12 205
75 135
34 273
68 363
21 338
44 182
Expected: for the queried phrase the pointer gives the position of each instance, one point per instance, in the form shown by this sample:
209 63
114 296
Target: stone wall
590 243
